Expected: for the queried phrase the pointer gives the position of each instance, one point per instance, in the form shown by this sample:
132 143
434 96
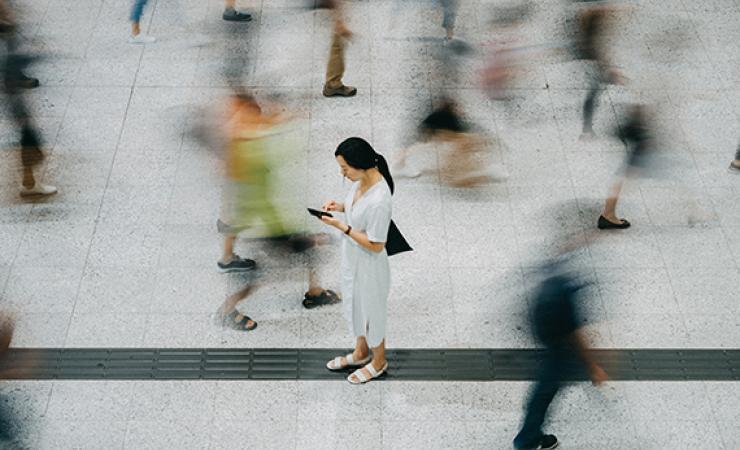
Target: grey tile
705 290
399 434
257 431
77 434
635 291
332 402
187 291
694 247
326 328
181 330
108 72
487 290
712 330
633 248
190 402
338 434
112 290
422 401
123 245
106 329
676 434
11 236
37 329
665 330
465 248
268 401
52 245
85 401
40 290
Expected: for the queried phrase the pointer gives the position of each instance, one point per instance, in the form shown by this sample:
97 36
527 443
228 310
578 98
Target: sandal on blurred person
239 321
327 297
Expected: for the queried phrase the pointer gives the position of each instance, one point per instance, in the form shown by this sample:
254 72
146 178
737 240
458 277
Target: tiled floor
125 254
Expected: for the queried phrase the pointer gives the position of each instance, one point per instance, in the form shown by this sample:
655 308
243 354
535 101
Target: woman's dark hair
360 155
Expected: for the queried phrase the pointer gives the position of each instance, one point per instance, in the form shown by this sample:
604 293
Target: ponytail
382 166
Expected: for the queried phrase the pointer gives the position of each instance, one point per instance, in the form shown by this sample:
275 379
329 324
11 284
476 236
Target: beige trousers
335 67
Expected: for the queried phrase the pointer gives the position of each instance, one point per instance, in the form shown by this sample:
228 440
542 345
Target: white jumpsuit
366 274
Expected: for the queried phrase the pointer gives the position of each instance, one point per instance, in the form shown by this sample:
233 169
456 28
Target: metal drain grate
308 364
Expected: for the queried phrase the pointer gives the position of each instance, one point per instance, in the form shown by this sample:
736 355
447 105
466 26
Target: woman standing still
365 270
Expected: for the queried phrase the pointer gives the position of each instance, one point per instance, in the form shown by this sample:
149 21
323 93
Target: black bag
396 243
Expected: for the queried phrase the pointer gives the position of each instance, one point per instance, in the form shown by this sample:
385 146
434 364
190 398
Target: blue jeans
137 10
551 376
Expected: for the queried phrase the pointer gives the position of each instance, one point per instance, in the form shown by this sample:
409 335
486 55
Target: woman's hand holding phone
333 205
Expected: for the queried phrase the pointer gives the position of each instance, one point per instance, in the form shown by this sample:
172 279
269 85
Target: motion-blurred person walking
137 37
334 86
592 20
465 161
252 205
14 82
231 14
735 164
556 323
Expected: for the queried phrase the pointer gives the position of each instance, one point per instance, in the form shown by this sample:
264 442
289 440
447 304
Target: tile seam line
107 182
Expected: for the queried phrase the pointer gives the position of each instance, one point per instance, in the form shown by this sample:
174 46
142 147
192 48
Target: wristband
349 228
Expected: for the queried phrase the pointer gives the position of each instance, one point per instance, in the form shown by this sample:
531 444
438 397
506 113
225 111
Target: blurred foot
23 82
340 91
236 264
232 15
735 166
612 224
587 135
38 189
142 39
548 441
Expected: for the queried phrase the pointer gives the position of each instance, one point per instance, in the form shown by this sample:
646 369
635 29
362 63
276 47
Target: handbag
396 243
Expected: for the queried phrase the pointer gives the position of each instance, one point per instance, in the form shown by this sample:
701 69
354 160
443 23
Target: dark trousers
549 382
737 153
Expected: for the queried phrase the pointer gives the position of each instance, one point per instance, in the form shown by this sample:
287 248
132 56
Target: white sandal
360 375
336 363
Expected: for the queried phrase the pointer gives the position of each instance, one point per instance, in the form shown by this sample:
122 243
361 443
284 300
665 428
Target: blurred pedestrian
465 158
231 14
248 171
14 82
735 164
592 21
252 205
9 425
137 37
556 324
334 86
636 137
449 16
365 270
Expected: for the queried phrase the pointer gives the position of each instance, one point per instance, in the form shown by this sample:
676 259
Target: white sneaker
142 39
38 189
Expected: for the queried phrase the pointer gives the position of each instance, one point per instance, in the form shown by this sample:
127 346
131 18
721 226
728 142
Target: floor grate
308 364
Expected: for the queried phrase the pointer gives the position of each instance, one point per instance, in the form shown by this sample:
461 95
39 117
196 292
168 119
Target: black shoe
237 264
734 166
548 441
22 82
232 15
605 224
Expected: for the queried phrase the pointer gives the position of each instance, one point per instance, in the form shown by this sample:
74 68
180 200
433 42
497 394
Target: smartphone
317 213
